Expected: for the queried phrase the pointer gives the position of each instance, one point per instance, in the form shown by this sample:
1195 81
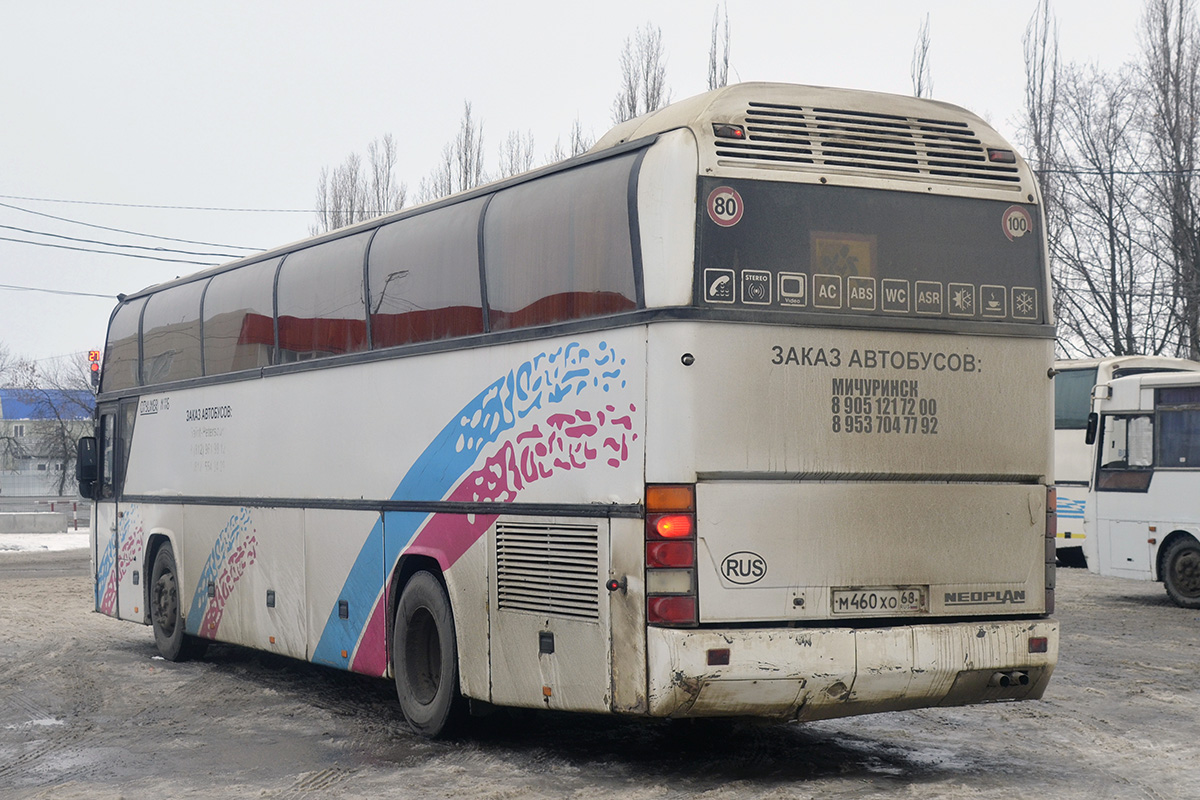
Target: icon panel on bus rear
929 297
962 299
860 293
1024 302
827 291
993 301
793 288
718 285
756 287
896 297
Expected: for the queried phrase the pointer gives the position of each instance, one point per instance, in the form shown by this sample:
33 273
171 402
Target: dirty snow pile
26 542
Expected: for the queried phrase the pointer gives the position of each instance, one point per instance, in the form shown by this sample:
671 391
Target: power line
150 205
55 291
108 252
116 244
121 230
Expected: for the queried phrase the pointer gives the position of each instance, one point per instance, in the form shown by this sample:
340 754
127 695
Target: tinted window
239 322
321 300
425 277
1179 438
121 352
171 334
559 248
1073 398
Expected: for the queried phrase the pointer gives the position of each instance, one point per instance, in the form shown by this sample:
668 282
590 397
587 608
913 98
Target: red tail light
671 555
671 610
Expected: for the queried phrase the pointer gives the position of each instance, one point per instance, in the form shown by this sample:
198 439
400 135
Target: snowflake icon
1024 304
964 299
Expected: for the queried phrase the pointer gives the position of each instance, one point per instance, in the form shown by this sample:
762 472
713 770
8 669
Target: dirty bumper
811 674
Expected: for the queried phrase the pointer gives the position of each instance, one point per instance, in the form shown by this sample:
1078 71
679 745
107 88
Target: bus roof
1134 392
840 134
1120 363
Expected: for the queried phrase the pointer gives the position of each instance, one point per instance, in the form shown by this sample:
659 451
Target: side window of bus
321 301
239 322
1179 427
171 334
1127 453
560 248
424 274
121 368
108 440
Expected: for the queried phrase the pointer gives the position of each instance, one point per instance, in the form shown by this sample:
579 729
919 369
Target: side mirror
1093 424
87 466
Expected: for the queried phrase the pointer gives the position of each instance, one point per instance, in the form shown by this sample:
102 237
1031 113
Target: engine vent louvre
864 141
548 569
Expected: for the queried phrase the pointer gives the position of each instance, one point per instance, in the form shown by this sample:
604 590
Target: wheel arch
1160 557
406 567
154 542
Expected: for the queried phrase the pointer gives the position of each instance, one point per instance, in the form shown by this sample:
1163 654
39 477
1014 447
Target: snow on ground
25 542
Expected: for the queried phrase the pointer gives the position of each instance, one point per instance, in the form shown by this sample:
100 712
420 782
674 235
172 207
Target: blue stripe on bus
552 377
1070 509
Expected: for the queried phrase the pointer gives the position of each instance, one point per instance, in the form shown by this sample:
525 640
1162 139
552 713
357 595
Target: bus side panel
344 572
134 525
242 578
550 617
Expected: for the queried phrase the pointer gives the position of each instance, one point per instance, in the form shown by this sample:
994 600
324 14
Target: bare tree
580 142
461 164
643 76
351 193
718 51
1112 296
922 77
1171 73
516 154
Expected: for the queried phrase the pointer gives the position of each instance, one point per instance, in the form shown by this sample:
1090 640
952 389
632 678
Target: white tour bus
1143 511
744 412
1073 382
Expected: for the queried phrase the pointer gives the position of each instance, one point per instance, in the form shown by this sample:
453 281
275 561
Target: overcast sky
138 115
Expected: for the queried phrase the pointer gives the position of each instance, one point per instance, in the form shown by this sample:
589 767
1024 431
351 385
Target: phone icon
718 285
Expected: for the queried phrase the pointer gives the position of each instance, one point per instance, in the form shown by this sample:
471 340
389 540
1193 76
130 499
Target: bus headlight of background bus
671 555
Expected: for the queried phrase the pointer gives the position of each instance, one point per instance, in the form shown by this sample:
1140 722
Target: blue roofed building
38 431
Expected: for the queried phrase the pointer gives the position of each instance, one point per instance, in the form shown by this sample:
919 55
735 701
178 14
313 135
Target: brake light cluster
671 555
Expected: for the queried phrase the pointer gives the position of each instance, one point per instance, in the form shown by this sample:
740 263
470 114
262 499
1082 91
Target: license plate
880 600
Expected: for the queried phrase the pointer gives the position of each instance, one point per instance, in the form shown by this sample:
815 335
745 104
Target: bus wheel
1181 574
166 616
425 658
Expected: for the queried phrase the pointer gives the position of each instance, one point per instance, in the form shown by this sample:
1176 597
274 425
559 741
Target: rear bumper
820 673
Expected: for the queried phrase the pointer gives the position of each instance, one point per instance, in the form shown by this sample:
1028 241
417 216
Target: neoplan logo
743 567
989 598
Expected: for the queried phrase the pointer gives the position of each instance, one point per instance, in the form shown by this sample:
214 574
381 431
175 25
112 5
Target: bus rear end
849 433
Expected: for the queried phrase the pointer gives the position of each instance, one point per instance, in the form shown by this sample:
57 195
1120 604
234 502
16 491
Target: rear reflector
675 610
1039 644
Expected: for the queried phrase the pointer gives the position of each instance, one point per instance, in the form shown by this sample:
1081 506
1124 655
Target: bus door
117 538
550 613
1123 479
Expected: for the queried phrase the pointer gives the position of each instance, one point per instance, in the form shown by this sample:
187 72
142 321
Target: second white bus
1073 383
1143 512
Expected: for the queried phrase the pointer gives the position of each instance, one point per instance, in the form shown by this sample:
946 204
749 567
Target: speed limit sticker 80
725 206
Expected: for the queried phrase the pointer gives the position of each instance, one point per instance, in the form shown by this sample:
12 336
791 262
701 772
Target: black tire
166 612
1181 572
425 659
